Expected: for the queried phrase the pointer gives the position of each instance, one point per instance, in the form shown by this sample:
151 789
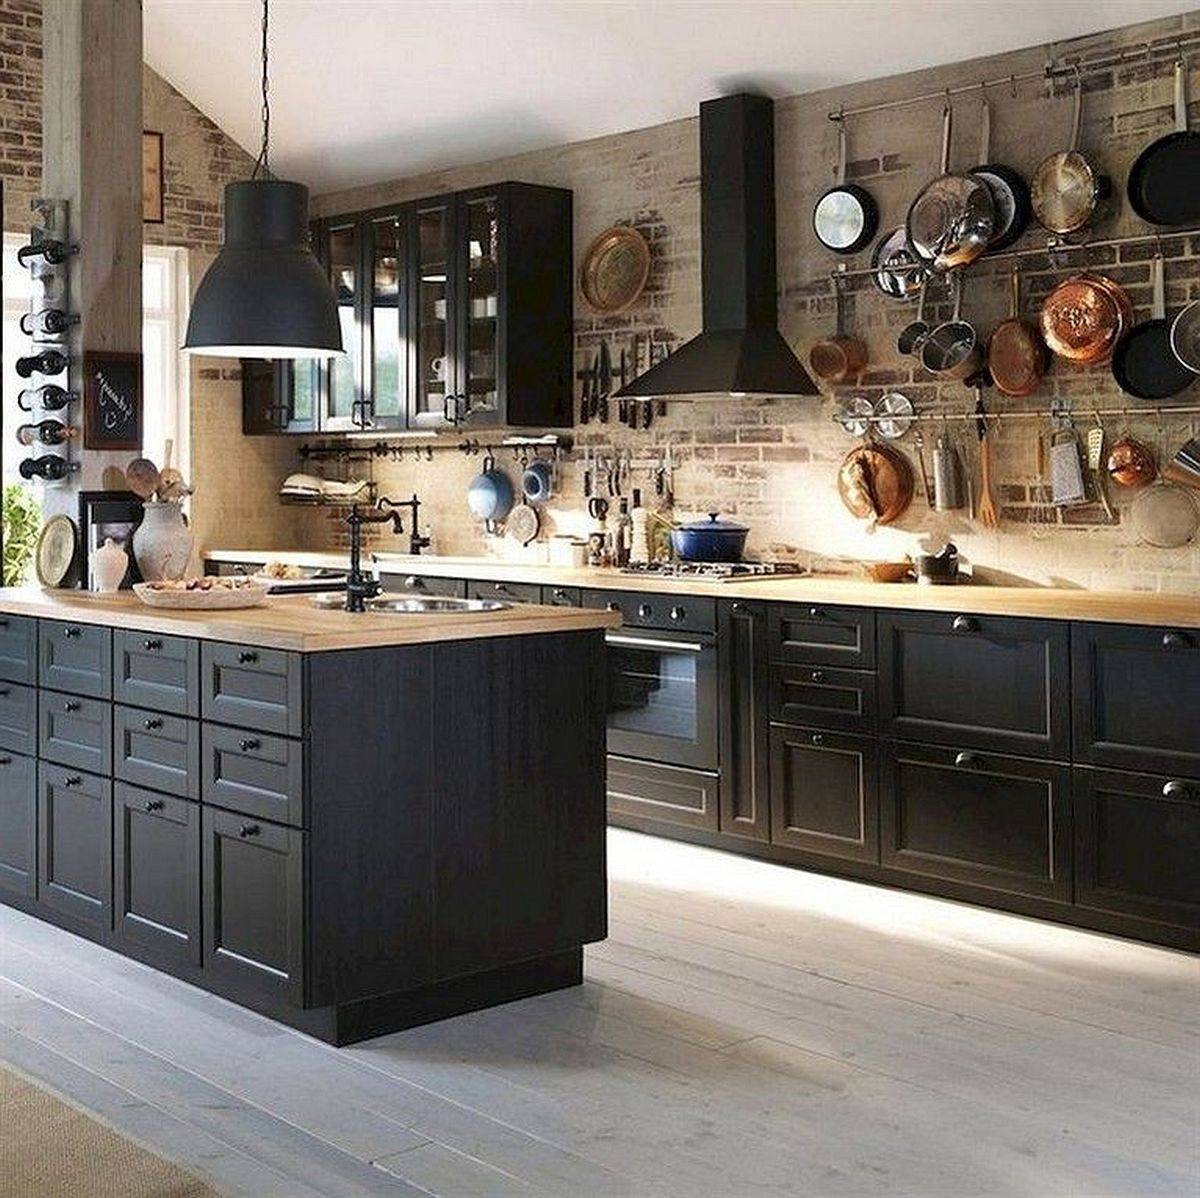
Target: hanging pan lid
845 217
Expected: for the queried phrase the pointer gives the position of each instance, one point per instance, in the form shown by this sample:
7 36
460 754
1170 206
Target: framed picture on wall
112 400
104 514
152 178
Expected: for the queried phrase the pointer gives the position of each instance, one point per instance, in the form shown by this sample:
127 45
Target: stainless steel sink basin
415 604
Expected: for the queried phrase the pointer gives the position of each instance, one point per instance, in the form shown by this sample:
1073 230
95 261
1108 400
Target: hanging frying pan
1163 181
1017 356
1084 317
898 271
1010 192
1066 189
845 217
836 358
1185 337
1143 362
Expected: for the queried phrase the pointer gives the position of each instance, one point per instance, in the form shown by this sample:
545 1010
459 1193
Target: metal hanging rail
1053 69
1079 413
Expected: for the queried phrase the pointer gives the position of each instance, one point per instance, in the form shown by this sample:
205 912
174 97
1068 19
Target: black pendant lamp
265 295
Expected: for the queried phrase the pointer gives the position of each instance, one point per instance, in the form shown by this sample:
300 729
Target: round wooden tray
615 269
249 594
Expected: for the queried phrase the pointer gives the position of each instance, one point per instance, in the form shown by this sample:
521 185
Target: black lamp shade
265 295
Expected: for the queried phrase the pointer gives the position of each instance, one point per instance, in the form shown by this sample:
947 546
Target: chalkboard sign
112 400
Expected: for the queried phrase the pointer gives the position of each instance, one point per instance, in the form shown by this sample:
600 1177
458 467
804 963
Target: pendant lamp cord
263 163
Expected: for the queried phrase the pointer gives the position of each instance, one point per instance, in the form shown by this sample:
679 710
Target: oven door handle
645 642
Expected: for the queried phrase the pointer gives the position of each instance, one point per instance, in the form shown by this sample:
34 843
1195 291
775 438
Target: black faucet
359 586
416 542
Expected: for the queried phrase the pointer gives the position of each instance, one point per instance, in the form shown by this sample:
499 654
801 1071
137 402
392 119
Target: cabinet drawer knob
965 624
249 830
413 583
151 645
678 613
152 723
612 606
250 744
966 760
72 705
246 656
73 780
815 613
73 633
737 608
5 761
4 692
1176 790
818 675
645 611
817 738
1176 640
154 804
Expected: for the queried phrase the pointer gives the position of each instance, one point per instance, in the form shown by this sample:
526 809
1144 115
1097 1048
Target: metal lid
715 524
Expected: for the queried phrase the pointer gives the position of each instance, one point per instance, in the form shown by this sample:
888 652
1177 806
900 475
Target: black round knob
965 624
151 646
613 606
246 656
73 633
152 723
818 675
249 830
966 760
250 743
73 780
1176 640
559 593
645 611
72 705
738 608
677 613
413 583
5 761
1176 789
817 738
815 613
4 692
154 804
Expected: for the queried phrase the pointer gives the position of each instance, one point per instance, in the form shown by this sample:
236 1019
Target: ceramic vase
109 563
163 542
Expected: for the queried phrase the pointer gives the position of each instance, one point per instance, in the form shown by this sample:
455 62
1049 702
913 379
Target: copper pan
839 357
1084 317
1017 356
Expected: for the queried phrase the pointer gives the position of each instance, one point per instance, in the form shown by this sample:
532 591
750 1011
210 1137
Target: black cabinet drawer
253 895
823 697
824 793
18 824
662 792
18 649
562 596
424 584
159 751
156 874
1137 844
980 818
989 682
253 774
158 672
819 635
252 687
690 613
75 658
75 844
1137 698
18 718
508 592
76 732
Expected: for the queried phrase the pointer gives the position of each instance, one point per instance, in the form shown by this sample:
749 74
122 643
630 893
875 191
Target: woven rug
50 1149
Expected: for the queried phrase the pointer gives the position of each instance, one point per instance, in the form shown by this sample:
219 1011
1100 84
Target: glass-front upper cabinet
478 245
385 326
433 351
343 406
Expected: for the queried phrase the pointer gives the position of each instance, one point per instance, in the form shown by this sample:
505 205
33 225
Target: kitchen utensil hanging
875 483
1185 336
855 414
1010 193
1143 362
1097 475
1162 184
1165 515
846 217
1083 318
615 269
948 491
1066 189
913 335
952 220
839 357
896 267
523 523
1130 464
989 515
1017 357
1067 487
893 416
952 348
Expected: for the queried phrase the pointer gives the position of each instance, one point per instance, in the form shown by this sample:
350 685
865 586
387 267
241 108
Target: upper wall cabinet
455 310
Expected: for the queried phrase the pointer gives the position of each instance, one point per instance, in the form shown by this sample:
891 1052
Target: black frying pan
846 217
1143 362
1010 192
1162 184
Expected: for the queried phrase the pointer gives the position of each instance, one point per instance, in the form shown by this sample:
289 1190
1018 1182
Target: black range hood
740 351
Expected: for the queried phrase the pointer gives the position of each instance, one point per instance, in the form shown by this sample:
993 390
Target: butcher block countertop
1059 603
294 623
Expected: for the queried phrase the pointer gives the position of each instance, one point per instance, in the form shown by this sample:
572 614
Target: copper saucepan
1084 317
839 357
1017 356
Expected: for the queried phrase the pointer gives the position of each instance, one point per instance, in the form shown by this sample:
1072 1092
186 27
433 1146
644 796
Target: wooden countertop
1062 603
293 623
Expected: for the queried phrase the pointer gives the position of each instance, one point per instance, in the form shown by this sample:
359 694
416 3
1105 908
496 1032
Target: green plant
22 523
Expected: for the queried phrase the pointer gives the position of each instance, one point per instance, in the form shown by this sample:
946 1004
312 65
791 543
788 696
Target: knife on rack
605 380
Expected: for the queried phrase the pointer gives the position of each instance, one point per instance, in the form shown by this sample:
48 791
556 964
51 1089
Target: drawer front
75 844
18 649
424 584
662 792
1121 678
691 613
159 751
18 825
824 793
18 718
823 697
76 732
252 687
1137 844
253 774
508 592
819 635
161 673
75 658
980 818
156 874
562 596
989 682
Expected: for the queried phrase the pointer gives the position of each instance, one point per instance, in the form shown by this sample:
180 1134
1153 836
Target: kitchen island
352 823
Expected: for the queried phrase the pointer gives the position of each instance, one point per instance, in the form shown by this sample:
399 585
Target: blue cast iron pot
490 495
710 540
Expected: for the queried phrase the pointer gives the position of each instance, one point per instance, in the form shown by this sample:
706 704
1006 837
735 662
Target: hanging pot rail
1145 411
422 445
1053 69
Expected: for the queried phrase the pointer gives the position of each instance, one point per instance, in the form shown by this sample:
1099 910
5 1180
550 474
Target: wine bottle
47 323
54 252
50 396
49 361
48 432
49 466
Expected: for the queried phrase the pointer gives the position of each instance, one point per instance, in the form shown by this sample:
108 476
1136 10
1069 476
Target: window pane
154 285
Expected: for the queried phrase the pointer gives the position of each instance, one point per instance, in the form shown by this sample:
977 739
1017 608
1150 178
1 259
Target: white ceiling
367 90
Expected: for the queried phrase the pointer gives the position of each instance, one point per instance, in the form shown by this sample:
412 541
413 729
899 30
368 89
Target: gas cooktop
714 571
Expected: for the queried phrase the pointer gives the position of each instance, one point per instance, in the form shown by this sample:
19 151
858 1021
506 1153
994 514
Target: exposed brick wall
20 107
773 463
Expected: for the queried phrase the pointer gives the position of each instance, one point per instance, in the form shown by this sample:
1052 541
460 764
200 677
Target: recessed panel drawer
254 774
823 697
161 673
75 844
18 824
18 649
424 584
75 658
18 718
252 687
506 592
159 751
75 731
562 596
819 635
663 792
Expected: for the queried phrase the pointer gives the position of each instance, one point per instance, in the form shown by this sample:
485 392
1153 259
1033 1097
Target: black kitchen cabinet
18 824
252 687
506 592
985 682
665 793
1137 842
743 732
159 672
424 584
1137 698
279 396
253 774
18 718
156 874
75 658
980 818
824 793
562 596
75 844
18 649
823 697
816 635
75 732
159 751
253 894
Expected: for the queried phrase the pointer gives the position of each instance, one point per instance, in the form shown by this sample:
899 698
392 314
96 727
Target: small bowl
889 571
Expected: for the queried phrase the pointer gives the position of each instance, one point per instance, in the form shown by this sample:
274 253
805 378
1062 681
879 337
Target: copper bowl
1130 463
1084 317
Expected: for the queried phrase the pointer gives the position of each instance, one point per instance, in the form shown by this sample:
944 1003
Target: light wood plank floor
745 1030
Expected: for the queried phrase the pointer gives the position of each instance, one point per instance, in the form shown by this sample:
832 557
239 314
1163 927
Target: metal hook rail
1058 410
359 450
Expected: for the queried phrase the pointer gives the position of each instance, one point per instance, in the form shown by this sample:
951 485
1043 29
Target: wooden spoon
171 484
142 477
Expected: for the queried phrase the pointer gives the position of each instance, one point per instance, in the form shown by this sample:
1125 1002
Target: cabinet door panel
562 596
507 592
994 821
254 774
75 731
480 343
983 681
743 750
823 697
343 401
662 792
156 867
75 844
75 658
158 672
18 718
433 350
18 824
385 325
824 794
818 635
252 687
425 584
18 649
159 751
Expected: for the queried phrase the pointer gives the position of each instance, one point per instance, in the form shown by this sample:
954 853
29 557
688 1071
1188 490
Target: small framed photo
112 400
152 178
102 514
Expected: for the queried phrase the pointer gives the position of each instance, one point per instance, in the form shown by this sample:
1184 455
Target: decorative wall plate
615 269
55 551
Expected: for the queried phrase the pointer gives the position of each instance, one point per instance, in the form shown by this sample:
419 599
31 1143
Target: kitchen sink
414 604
